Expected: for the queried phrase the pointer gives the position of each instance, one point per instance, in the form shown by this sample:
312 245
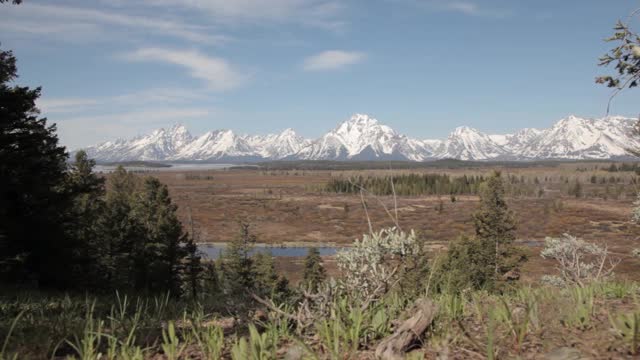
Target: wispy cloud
474 9
155 96
320 13
466 7
64 105
70 22
146 116
218 74
332 60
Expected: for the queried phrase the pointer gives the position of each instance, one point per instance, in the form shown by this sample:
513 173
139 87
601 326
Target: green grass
37 326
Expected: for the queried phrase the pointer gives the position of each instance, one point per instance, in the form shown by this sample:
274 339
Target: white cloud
322 13
72 21
216 72
332 59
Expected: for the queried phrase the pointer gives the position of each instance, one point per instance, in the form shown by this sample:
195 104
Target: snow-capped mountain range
363 138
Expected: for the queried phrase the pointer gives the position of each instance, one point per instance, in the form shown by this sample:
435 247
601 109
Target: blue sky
117 68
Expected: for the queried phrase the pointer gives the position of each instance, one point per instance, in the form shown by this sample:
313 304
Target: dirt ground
289 207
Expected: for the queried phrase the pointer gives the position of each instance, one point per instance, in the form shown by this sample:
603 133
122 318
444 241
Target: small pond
212 251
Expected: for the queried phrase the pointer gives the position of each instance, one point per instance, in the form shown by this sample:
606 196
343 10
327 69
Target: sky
118 68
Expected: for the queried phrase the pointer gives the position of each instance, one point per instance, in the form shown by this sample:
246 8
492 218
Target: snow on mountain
363 138
278 146
466 143
579 138
159 145
215 145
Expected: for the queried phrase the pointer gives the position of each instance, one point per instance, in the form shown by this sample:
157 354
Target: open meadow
288 206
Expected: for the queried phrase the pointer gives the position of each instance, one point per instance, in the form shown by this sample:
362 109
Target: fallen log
396 345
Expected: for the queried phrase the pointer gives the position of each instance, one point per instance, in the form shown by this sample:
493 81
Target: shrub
579 262
372 265
467 265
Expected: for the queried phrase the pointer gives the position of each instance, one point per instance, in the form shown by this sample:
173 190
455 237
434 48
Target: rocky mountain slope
363 138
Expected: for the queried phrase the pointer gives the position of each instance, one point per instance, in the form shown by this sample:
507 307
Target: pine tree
84 225
494 219
32 175
495 229
268 282
467 265
158 257
314 272
238 269
122 230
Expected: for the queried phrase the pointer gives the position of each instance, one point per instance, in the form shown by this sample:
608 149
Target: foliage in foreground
523 320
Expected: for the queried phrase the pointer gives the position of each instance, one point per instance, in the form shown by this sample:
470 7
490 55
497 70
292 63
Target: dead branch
395 346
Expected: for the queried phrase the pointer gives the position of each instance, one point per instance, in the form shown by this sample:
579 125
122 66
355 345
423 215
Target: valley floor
290 206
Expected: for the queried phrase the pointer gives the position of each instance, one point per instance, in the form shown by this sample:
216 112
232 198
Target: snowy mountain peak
362 119
362 137
572 121
464 130
359 124
288 132
178 127
467 143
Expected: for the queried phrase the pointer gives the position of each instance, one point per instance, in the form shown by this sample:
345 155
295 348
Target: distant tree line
407 185
628 167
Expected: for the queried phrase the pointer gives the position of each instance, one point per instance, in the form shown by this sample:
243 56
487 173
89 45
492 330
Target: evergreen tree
314 272
32 197
268 283
238 269
467 265
122 230
158 257
494 220
490 258
495 229
84 222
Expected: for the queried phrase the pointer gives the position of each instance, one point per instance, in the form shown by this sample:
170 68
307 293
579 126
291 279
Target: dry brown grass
286 206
